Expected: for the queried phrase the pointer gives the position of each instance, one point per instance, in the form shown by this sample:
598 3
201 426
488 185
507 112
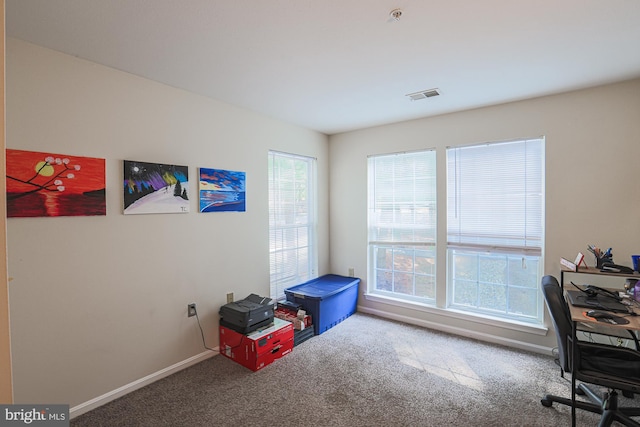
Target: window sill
463 315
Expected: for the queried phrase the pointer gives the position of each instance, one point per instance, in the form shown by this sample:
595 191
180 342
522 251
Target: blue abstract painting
222 190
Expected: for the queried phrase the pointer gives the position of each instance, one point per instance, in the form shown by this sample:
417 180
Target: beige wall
592 191
6 392
100 302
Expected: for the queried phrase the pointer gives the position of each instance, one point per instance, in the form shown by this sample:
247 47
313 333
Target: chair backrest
561 318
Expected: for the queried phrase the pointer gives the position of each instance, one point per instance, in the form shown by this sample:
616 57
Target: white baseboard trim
128 388
459 331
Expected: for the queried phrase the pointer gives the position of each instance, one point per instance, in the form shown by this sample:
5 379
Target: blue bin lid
323 286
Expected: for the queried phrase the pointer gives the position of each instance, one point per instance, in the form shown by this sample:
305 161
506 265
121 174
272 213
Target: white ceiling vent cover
423 94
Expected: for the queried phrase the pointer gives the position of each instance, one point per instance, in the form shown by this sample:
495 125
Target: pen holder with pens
602 257
604 260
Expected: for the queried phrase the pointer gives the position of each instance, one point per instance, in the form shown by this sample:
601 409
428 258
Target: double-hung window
495 228
402 225
292 221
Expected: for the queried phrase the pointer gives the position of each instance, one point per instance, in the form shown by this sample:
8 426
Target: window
292 221
495 228
402 225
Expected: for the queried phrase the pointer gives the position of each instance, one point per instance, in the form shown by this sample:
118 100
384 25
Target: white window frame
511 243
293 257
402 226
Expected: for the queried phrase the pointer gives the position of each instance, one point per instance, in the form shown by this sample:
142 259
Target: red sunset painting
47 184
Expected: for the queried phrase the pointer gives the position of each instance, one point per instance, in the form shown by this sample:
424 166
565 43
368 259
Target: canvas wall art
155 188
41 184
222 190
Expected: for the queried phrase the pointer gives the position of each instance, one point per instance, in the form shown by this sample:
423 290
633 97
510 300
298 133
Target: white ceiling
339 65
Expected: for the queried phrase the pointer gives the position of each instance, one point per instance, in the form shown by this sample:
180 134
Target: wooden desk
577 315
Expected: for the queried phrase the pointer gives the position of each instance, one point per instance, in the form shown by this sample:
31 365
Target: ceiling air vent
423 94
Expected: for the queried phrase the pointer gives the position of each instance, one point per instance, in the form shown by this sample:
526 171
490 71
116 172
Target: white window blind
494 196
495 229
402 224
402 198
292 221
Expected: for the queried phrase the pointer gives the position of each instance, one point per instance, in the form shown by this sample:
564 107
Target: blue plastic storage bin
329 299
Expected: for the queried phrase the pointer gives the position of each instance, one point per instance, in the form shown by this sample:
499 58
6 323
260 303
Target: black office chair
616 368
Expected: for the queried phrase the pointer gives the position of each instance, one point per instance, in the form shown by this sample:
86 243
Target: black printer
248 314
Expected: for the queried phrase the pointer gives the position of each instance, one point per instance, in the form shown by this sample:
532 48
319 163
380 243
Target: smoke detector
395 15
423 94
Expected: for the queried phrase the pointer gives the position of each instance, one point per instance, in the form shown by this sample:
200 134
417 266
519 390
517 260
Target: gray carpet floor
366 371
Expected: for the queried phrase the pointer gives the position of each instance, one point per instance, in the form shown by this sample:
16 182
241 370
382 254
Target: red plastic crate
259 348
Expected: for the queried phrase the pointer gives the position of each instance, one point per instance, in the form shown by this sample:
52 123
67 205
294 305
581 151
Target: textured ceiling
339 65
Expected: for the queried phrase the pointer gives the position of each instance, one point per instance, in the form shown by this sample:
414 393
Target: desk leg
573 377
